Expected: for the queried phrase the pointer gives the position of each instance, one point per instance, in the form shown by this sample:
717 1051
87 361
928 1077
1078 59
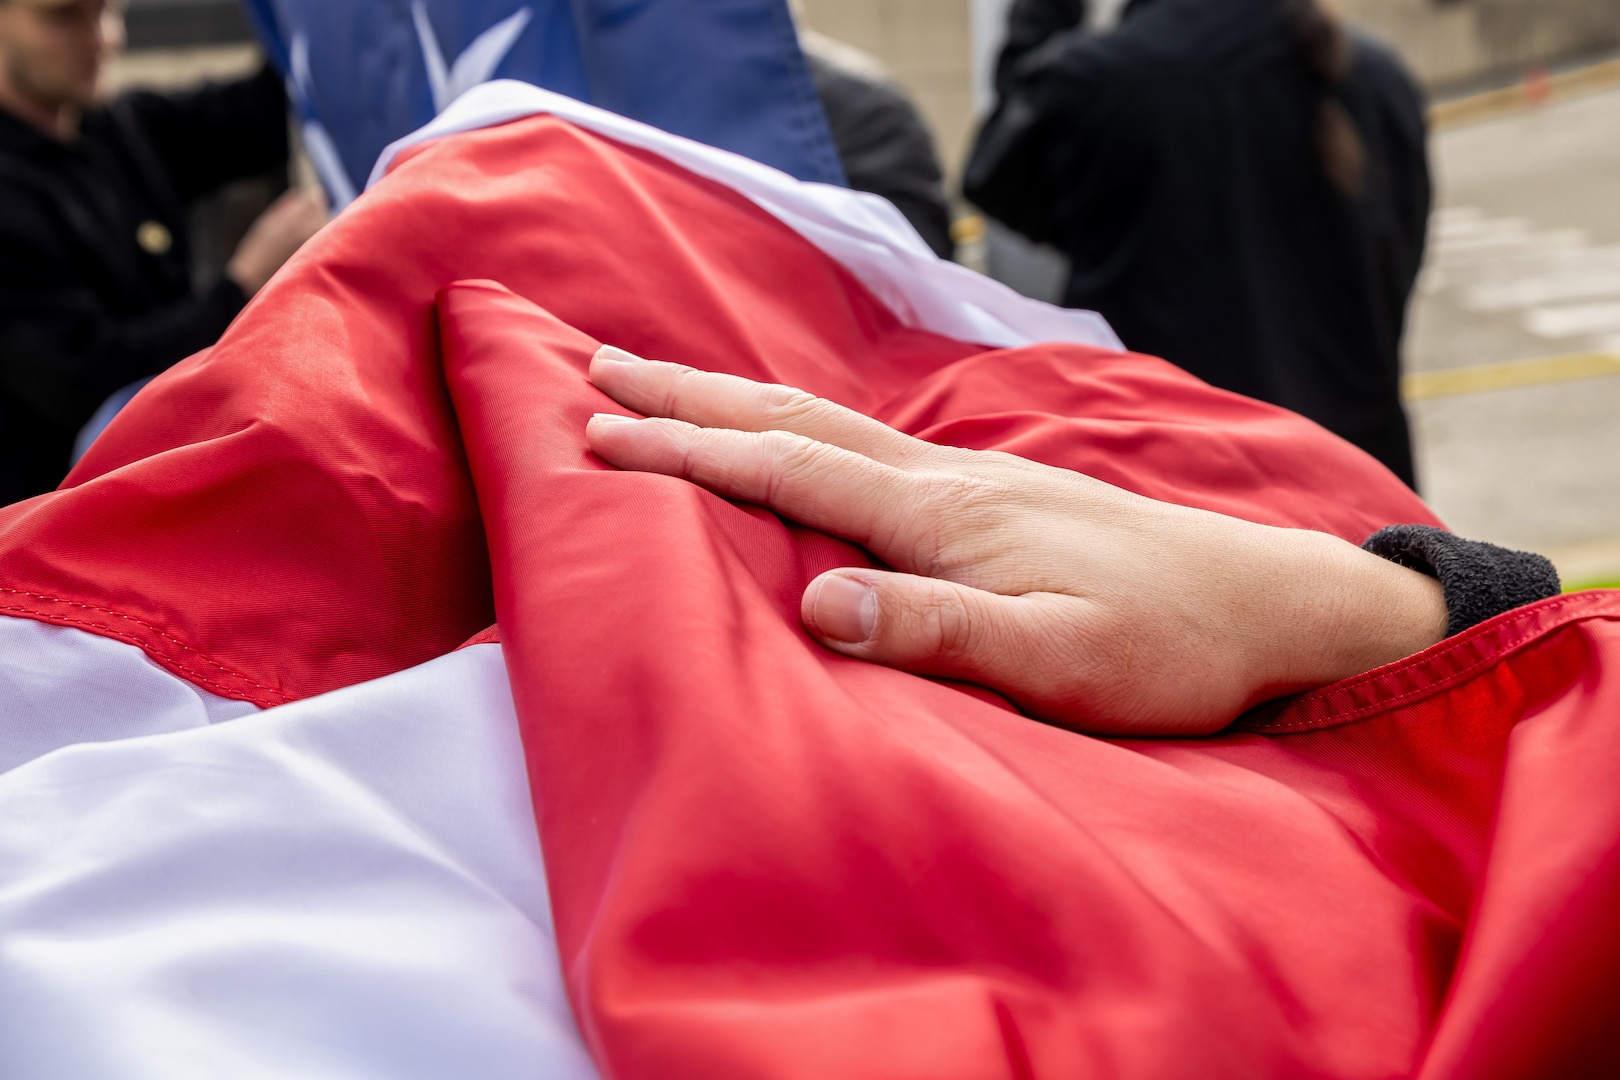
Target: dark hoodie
1176 162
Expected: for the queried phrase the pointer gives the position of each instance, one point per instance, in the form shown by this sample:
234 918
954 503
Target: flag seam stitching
132 639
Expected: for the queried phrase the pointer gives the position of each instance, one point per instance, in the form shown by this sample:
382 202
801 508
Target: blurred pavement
1524 265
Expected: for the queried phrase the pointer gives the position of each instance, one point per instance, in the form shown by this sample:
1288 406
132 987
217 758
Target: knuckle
1002 462
677 389
786 448
788 406
694 443
791 458
1020 479
952 513
951 623
956 493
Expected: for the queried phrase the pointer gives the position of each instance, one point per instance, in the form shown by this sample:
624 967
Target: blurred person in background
95 283
1241 187
882 142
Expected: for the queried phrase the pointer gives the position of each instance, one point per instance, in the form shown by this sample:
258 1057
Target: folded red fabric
770 861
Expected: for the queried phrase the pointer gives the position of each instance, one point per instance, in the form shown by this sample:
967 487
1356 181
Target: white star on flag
322 151
446 82
476 64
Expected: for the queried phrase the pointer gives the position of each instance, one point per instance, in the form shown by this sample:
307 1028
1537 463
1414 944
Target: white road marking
1573 320
1557 285
1560 283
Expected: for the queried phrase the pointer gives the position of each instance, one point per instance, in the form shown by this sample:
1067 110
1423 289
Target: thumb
930 627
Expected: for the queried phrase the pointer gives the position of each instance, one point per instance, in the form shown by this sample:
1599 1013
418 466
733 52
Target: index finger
825 487
711 399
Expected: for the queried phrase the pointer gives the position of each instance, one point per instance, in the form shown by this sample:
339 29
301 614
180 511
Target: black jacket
884 147
95 277
1174 161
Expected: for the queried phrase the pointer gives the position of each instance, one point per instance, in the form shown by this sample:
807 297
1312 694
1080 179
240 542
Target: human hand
273 238
1085 604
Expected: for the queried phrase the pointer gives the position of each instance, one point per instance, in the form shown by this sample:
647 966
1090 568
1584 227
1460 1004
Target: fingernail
615 355
844 609
611 418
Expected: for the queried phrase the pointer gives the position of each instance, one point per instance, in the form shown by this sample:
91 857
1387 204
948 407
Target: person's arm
206 137
1031 24
62 351
62 354
1085 604
1064 140
1480 581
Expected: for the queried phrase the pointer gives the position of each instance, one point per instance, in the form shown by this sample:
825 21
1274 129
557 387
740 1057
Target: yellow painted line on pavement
1472 380
1524 95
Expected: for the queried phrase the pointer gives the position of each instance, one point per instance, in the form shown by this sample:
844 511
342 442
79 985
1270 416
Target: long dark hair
1325 47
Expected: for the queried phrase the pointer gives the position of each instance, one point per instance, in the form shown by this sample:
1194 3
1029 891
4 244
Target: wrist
1347 611
1480 580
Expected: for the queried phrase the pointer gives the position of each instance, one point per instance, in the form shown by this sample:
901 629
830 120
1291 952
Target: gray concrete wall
1452 43
925 44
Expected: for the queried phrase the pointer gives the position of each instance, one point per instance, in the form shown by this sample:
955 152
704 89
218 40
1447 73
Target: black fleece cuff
1479 580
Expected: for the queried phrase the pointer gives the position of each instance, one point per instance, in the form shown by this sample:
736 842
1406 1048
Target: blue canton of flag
362 73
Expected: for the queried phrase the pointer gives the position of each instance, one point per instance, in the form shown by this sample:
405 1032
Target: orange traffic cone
1537 85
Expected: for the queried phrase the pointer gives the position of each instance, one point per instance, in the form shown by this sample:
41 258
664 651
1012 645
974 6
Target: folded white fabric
348 886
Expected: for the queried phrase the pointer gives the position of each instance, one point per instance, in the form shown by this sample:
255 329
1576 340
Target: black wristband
1479 580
